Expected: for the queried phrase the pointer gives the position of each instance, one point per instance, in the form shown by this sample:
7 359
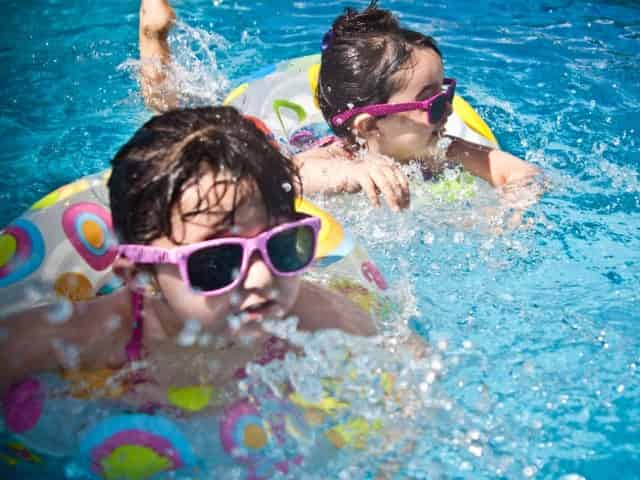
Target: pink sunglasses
435 106
216 266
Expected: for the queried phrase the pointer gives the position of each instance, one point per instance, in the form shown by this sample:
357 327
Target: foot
156 18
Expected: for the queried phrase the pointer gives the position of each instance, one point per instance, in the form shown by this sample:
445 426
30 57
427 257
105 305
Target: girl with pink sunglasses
382 87
203 208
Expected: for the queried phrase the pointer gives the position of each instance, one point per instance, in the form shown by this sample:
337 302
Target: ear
365 126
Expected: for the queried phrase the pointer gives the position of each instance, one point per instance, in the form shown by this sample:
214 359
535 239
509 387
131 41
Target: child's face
259 295
409 135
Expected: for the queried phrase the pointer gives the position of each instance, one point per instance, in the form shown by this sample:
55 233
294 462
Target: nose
259 276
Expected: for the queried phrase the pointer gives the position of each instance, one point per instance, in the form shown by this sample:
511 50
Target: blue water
540 322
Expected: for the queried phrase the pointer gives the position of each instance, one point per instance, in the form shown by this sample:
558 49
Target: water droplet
68 353
458 237
234 299
234 322
60 311
286 186
274 293
572 476
620 388
467 344
475 450
428 238
205 339
529 471
113 323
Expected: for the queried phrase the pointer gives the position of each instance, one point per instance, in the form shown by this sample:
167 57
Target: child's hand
156 17
328 170
376 174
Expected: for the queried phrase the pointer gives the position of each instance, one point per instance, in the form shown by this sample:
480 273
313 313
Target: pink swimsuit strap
134 347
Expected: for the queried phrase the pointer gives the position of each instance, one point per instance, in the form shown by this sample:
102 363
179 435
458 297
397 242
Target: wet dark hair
361 54
170 152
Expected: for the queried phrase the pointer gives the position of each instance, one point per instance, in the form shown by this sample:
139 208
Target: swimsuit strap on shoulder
134 347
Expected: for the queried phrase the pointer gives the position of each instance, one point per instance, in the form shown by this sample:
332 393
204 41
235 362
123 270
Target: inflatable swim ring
63 247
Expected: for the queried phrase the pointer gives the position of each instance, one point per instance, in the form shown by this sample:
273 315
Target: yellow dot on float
191 398
254 436
93 234
74 286
8 245
133 462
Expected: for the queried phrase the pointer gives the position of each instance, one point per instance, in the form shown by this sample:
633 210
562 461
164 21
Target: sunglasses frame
180 255
383 109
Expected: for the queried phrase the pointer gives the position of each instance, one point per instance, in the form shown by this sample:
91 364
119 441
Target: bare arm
156 18
494 166
92 334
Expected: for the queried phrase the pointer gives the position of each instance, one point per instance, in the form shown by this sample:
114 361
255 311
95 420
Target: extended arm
494 166
156 18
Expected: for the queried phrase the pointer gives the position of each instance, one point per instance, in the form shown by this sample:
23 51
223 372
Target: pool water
536 321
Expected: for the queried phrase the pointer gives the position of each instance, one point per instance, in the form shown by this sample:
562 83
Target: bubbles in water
234 299
205 340
572 476
234 322
189 334
68 354
475 450
113 323
273 294
428 238
60 311
458 237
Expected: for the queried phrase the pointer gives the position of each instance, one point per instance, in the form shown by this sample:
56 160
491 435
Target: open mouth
259 308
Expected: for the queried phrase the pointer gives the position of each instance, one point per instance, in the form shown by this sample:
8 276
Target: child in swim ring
382 87
203 208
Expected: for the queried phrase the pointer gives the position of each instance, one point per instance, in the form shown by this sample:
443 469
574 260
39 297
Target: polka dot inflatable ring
88 228
22 251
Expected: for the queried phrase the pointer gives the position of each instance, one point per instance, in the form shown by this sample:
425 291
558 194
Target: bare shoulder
320 308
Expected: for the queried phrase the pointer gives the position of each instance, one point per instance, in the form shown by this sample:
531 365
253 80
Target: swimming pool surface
540 322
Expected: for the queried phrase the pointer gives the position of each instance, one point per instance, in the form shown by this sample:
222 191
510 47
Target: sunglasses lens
214 268
438 108
291 250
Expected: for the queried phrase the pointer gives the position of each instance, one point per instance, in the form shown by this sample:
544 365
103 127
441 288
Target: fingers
369 187
402 183
384 181
391 181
